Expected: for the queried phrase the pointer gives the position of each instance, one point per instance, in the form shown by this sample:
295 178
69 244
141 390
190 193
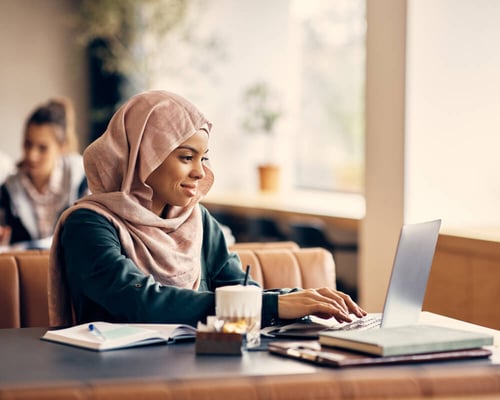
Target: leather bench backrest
10 307
23 288
32 280
282 268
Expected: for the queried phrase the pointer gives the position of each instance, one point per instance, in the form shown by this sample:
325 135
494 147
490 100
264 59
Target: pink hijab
139 137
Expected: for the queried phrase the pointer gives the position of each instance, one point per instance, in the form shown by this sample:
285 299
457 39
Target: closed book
405 340
101 336
312 352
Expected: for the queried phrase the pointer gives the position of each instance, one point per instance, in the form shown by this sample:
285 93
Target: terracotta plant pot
269 178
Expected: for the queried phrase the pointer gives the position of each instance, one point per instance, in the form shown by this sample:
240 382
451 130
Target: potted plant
262 112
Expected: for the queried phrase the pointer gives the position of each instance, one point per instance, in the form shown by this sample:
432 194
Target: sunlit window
330 37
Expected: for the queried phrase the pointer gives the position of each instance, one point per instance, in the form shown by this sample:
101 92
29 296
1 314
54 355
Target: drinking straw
247 272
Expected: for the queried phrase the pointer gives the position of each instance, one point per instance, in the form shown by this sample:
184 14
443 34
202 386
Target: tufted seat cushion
279 268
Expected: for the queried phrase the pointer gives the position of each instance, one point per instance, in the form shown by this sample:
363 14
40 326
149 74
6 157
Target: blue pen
96 331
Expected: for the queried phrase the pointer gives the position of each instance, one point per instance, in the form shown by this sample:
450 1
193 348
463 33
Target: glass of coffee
238 309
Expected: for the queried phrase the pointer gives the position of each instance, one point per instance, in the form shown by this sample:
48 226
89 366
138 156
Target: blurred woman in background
49 178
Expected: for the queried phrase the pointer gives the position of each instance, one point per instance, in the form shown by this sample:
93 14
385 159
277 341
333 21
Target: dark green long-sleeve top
105 285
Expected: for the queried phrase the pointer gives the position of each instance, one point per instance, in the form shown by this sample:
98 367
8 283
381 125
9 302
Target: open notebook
102 336
405 294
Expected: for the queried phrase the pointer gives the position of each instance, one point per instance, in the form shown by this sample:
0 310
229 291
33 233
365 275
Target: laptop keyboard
311 325
365 323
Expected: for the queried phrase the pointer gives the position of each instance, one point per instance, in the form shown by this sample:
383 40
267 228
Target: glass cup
238 309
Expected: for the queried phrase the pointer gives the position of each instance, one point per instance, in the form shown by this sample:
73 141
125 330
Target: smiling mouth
29 167
190 189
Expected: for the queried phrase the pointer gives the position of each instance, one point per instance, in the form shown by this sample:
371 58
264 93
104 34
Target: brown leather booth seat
23 288
289 245
280 268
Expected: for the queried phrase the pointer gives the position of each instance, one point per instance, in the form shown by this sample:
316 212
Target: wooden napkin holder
219 343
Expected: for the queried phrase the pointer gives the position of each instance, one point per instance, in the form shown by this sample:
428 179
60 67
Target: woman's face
41 150
175 181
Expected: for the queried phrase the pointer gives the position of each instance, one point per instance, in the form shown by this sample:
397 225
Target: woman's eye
191 158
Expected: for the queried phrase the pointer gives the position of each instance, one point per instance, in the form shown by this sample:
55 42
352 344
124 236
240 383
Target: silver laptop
410 273
409 277
407 285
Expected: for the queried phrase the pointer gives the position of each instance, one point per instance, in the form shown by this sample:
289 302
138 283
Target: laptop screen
410 273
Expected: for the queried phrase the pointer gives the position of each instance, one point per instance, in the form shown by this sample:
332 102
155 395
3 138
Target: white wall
453 112
39 60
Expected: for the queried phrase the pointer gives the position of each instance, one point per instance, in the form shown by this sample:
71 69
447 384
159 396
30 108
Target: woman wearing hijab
141 248
49 178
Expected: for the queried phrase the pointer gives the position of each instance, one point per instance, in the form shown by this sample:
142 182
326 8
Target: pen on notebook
96 331
247 273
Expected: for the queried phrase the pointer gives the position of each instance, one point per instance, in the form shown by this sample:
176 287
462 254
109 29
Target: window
312 54
331 43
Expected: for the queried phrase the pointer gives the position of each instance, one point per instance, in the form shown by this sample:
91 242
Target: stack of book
404 344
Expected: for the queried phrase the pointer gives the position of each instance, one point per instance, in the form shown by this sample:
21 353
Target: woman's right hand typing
323 302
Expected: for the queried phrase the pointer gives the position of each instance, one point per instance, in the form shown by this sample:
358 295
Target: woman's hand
323 302
5 232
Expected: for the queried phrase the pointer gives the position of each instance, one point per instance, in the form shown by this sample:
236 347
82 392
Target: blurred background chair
263 229
314 235
248 229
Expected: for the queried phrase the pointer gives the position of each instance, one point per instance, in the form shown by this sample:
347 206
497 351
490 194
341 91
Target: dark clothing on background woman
32 216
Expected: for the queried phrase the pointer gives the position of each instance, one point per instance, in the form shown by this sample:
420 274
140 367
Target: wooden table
32 368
